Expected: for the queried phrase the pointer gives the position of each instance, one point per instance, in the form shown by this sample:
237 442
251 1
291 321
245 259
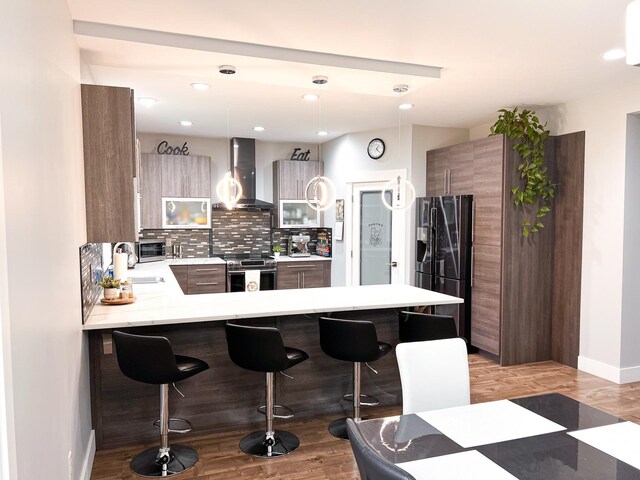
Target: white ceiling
494 54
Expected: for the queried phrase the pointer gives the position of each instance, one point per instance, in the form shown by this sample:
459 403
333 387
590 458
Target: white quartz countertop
310 258
165 304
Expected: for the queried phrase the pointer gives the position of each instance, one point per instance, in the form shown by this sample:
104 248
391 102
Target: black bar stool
260 349
419 327
352 341
150 359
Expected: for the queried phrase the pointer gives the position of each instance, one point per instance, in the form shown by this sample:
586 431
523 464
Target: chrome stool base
146 464
255 444
365 400
338 428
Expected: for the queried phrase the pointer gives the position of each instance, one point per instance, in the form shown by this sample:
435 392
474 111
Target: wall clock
376 148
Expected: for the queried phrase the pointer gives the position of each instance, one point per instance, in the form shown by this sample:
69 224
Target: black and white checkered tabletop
545 437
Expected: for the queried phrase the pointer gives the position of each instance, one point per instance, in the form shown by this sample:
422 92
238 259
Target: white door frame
399 225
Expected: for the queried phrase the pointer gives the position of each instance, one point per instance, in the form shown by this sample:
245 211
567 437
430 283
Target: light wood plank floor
320 456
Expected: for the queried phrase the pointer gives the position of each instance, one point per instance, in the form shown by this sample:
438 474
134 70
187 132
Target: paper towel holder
132 259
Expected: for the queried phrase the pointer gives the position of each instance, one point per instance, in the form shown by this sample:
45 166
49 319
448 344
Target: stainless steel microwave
151 250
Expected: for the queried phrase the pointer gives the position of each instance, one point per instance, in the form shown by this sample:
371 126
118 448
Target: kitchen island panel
226 396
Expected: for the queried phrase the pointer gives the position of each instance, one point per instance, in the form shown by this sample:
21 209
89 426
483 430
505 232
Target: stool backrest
349 340
418 327
256 348
145 358
434 374
372 465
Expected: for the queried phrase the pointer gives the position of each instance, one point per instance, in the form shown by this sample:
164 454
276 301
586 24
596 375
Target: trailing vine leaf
524 128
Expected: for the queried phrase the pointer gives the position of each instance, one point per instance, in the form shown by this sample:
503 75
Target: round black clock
375 148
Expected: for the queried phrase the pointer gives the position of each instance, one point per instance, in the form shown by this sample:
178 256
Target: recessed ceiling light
322 133
311 96
186 123
147 101
405 106
200 86
615 54
258 129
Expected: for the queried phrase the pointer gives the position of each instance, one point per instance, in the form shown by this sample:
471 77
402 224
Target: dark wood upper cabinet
109 163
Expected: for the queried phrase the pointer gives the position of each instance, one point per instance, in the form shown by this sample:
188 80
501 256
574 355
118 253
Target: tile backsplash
240 231
90 272
195 242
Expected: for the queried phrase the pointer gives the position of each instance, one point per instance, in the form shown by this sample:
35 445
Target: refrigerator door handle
434 238
473 250
473 221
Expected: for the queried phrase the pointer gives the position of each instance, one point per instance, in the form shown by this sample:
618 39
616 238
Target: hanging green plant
536 188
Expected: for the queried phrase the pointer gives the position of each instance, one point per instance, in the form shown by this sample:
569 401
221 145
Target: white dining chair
434 374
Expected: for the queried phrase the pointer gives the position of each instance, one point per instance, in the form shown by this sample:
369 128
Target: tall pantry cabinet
512 276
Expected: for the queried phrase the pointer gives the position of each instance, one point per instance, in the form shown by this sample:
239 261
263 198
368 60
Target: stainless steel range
239 264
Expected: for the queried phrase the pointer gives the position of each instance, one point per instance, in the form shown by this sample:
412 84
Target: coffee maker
298 246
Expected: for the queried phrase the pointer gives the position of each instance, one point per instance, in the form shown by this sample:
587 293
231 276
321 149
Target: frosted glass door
375 239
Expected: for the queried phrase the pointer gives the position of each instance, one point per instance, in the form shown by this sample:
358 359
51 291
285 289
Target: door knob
393 264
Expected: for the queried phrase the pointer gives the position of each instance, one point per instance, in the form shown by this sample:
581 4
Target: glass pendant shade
403 194
633 33
320 193
229 190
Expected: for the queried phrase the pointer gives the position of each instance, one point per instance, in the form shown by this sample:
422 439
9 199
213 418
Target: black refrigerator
443 253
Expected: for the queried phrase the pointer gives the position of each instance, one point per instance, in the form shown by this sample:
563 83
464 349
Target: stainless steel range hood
243 165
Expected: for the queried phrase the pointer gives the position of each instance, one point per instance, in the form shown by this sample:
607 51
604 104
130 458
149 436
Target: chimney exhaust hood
243 166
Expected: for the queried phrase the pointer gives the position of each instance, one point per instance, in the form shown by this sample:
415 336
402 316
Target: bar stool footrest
176 425
365 400
287 412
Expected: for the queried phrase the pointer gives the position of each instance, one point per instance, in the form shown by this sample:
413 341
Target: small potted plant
276 251
111 288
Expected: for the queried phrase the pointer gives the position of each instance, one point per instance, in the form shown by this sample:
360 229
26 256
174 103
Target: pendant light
403 193
320 192
228 189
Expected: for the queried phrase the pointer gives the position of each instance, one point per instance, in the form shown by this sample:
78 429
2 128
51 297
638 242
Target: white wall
43 198
217 149
346 157
630 353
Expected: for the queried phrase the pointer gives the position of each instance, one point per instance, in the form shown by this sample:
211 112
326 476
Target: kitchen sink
147 279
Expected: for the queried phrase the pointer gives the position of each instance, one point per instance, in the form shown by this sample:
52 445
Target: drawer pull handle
206 269
299 266
206 283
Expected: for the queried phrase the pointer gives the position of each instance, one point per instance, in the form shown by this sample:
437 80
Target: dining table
542 437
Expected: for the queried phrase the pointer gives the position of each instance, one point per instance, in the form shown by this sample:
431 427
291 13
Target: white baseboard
87 464
609 372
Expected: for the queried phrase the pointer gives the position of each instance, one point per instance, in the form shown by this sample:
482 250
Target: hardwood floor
321 457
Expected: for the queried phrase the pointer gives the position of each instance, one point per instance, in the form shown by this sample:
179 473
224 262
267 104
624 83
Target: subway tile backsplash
195 242
90 273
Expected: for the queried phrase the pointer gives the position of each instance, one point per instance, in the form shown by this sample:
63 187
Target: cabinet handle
206 283
299 266
298 280
444 185
302 279
206 269
449 182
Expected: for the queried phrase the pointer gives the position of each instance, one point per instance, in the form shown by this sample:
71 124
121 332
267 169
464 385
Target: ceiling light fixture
186 123
258 128
403 193
147 101
200 86
615 54
310 97
406 106
320 192
633 33
228 189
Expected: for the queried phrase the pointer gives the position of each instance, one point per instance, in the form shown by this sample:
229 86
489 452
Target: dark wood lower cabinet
226 396
304 274
195 279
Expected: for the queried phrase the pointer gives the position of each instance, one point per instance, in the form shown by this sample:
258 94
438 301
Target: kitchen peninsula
225 396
